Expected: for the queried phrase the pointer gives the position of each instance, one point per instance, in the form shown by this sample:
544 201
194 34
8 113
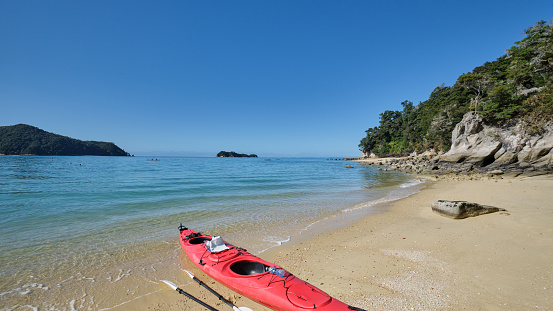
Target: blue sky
275 78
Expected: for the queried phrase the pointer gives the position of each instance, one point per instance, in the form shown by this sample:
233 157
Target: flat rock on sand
462 209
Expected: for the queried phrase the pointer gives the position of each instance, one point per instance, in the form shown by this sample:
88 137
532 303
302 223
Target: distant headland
23 139
232 154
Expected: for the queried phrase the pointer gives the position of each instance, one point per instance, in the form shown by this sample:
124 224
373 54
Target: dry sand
409 258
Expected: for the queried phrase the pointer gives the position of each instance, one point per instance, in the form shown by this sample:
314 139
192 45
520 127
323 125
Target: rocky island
232 154
23 139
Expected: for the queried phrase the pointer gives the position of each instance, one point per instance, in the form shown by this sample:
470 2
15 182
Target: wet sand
410 258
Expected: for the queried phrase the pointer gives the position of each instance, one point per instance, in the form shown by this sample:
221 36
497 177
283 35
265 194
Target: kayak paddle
173 286
235 308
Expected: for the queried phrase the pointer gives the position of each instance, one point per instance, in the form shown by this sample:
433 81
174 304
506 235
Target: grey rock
471 143
462 209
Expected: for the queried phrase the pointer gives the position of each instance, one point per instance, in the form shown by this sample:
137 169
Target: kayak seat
246 267
199 240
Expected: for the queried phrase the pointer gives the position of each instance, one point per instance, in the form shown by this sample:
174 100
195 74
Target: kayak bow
255 278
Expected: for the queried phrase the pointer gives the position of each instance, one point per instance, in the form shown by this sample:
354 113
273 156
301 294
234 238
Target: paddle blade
241 309
189 273
170 284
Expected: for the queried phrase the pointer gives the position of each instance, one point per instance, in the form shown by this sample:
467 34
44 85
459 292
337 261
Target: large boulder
462 209
472 142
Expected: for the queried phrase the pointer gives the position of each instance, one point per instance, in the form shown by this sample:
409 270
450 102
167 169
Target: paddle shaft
196 299
214 292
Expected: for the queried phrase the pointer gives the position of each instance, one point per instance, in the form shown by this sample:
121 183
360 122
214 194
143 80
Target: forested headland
24 139
516 87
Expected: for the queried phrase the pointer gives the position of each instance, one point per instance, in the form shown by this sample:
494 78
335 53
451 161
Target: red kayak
253 277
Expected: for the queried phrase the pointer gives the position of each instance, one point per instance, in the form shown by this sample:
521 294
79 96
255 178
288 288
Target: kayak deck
249 276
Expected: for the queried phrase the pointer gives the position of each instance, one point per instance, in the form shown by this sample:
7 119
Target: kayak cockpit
248 267
199 240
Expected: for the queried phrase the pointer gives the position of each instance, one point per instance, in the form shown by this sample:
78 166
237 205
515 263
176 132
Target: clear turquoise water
68 217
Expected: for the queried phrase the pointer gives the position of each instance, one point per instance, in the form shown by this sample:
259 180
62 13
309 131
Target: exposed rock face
477 143
462 209
470 143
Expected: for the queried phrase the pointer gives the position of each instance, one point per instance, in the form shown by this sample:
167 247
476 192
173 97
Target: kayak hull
248 275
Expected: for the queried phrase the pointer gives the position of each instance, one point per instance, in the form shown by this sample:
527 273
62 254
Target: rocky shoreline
423 165
480 150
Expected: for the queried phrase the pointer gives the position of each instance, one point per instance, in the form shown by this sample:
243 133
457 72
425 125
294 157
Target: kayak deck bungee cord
253 277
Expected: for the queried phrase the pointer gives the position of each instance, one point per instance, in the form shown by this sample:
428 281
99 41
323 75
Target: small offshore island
23 139
232 154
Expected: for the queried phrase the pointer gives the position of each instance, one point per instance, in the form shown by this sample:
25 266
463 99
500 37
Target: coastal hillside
24 139
514 91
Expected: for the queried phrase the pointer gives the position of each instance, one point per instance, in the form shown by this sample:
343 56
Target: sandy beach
409 258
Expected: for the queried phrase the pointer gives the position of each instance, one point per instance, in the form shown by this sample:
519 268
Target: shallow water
75 228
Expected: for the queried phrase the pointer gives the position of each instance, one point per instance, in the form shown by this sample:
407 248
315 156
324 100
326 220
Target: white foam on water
25 289
413 182
274 242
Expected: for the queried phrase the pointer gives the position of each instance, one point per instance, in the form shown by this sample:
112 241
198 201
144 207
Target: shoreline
408 257
399 257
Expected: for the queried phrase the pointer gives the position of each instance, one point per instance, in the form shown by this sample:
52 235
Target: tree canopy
516 86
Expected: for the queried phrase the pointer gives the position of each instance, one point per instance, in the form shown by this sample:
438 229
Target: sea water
76 232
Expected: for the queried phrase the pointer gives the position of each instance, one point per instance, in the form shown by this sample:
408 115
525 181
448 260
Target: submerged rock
462 209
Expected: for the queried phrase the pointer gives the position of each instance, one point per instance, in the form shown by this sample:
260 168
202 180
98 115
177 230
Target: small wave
412 183
275 242
313 223
405 190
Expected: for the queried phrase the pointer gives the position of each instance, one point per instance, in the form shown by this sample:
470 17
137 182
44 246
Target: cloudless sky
275 78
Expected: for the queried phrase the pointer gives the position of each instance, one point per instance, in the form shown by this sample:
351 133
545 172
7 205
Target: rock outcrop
476 143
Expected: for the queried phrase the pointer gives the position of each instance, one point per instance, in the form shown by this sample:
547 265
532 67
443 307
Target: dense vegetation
232 154
24 139
517 86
